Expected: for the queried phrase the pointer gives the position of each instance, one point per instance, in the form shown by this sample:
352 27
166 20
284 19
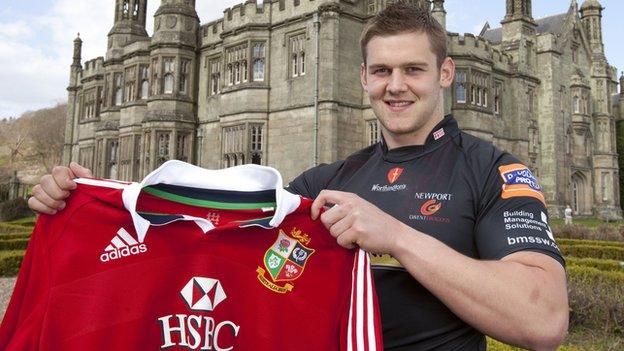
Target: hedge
570 242
10 262
594 251
596 299
12 228
22 235
495 345
13 244
603 265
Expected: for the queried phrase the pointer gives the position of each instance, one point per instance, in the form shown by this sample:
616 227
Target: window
480 89
99 157
85 156
574 53
215 76
234 145
90 99
136 157
144 73
184 73
460 87
118 89
126 8
243 144
370 7
135 11
498 95
162 138
168 70
529 54
125 157
182 149
576 104
130 79
297 55
258 62
531 101
236 60
256 143
147 150
155 80
111 169
372 128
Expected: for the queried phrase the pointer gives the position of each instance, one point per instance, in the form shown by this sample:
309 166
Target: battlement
93 66
470 44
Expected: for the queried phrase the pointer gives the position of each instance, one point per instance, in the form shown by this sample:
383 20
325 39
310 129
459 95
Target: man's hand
354 221
47 196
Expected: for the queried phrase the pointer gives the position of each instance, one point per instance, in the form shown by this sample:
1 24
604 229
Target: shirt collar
440 134
239 178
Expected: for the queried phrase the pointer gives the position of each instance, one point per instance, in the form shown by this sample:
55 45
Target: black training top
457 188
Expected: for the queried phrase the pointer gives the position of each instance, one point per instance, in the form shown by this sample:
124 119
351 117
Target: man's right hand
47 196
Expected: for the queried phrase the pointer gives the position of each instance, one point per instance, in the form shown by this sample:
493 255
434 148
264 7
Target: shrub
10 262
9 236
14 209
593 251
13 244
603 265
601 232
571 242
6 228
596 299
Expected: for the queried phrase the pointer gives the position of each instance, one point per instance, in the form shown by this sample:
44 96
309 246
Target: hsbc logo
199 331
203 294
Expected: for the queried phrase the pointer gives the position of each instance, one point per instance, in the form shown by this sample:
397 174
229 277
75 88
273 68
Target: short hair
400 18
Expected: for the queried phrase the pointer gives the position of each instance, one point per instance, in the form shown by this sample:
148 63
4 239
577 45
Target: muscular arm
521 299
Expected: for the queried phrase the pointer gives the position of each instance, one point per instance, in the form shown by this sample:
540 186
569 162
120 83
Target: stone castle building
277 84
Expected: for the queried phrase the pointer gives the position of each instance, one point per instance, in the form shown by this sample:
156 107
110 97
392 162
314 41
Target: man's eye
414 69
380 71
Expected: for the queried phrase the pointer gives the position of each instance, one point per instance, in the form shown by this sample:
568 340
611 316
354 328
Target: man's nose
396 84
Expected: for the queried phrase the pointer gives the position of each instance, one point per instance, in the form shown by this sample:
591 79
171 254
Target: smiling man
458 229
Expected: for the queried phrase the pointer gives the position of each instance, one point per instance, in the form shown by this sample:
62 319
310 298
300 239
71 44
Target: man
462 243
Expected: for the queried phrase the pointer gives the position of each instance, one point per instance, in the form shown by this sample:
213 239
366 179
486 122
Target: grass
28 221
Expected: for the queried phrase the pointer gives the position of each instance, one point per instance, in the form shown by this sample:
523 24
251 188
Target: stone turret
622 84
176 22
130 17
518 20
77 52
438 12
591 16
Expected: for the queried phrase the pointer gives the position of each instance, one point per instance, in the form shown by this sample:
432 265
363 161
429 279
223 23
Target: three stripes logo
122 245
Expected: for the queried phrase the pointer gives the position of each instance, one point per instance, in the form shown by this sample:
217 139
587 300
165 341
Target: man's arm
520 299
47 196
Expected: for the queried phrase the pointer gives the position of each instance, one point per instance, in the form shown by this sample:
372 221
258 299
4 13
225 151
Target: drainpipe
317 29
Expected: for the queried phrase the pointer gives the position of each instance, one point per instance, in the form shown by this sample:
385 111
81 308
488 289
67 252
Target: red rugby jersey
190 259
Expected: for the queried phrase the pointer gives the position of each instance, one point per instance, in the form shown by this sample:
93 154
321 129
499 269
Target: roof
551 24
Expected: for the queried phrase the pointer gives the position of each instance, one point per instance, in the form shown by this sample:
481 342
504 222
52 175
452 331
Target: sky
36 39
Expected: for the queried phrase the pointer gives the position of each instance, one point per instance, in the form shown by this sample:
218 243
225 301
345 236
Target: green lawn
587 222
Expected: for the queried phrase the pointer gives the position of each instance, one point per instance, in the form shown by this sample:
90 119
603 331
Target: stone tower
129 26
72 89
438 12
170 123
605 155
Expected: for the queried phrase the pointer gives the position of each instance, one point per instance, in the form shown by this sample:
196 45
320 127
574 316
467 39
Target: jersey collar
239 178
440 134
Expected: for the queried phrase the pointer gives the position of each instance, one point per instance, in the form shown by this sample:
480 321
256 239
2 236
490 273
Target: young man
458 228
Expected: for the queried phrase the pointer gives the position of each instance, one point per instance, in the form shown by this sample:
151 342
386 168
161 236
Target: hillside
32 144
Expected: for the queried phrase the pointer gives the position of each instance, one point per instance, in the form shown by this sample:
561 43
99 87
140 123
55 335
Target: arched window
576 104
460 87
126 8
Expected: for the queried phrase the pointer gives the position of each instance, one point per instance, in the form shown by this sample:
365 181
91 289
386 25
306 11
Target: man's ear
447 72
363 80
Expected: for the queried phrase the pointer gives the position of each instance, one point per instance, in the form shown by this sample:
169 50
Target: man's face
405 86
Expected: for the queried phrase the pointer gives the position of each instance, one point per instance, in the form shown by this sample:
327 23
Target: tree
46 134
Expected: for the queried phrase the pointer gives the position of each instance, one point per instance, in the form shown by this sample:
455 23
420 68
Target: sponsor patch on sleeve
519 181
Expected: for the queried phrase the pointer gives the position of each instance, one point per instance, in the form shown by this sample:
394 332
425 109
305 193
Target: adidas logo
122 245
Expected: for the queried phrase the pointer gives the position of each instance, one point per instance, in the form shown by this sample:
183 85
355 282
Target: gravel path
6 288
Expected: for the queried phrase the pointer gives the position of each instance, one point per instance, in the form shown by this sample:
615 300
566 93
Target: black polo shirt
459 189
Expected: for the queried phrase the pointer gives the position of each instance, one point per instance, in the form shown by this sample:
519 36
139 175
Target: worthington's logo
122 245
285 260
394 174
199 332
